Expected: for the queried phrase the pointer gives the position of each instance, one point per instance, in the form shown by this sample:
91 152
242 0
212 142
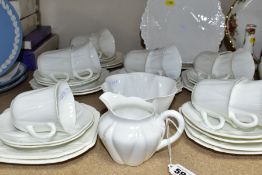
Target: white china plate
93 86
54 154
118 61
245 12
207 145
45 81
66 157
118 71
222 139
248 147
35 85
13 137
192 115
186 83
193 26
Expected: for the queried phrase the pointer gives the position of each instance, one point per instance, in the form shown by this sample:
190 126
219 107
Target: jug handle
181 126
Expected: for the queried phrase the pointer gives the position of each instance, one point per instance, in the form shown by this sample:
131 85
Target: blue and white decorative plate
20 70
14 84
10 36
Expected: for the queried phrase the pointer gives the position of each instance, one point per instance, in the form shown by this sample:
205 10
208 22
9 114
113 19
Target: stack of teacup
50 121
226 115
104 43
78 65
165 61
225 65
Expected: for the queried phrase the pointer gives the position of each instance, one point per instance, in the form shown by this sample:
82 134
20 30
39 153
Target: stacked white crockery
165 62
78 65
104 43
225 65
226 116
46 126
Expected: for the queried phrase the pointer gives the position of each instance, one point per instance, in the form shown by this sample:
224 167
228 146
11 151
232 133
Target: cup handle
99 54
202 76
181 126
52 76
241 124
33 133
214 127
89 71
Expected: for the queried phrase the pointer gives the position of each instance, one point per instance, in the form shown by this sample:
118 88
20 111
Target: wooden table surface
196 158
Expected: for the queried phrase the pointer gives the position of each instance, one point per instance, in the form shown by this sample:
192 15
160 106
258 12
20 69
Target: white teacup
75 62
44 111
236 101
165 61
135 61
103 41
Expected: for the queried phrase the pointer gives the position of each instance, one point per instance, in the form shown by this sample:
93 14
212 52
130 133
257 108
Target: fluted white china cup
103 41
223 99
165 61
135 61
71 63
44 111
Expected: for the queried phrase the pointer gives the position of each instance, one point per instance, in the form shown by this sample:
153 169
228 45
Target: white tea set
79 65
224 65
226 115
46 126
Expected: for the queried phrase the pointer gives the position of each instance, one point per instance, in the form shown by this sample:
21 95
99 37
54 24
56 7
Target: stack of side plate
78 87
189 79
113 62
227 140
20 148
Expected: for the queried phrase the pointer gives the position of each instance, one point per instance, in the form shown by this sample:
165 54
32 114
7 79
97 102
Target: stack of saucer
79 66
104 43
15 76
226 116
226 65
60 128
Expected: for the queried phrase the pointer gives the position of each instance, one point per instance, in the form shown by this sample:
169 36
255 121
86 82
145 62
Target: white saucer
92 86
200 142
118 61
248 147
186 83
192 115
55 154
45 81
222 139
16 138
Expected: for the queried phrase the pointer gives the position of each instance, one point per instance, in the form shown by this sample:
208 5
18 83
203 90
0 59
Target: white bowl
156 89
